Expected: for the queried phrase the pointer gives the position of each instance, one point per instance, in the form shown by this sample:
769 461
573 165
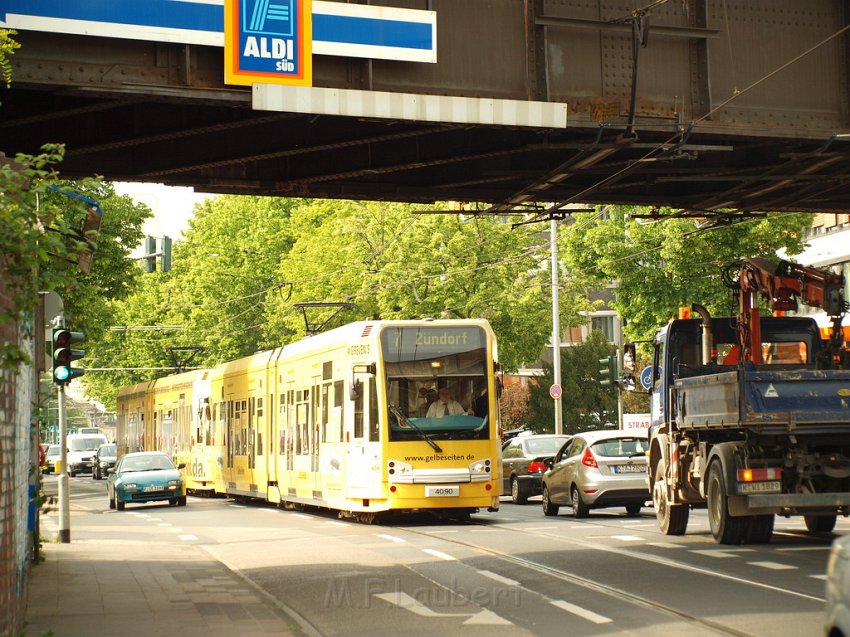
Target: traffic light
609 373
166 254
64 355
150 254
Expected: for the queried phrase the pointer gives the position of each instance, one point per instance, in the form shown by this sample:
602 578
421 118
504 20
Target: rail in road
513 572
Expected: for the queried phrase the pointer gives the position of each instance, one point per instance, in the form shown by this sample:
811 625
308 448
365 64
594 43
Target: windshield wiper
404 421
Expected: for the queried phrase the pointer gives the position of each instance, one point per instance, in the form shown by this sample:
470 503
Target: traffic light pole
556 326
64 484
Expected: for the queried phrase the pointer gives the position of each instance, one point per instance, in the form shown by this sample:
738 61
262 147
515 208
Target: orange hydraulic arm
783 284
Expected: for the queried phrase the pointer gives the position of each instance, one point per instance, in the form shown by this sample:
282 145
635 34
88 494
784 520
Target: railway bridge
706 106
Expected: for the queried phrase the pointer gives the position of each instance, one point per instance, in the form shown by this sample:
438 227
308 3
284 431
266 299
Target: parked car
104 458
145 476
838 589
597 469
523 464
54 452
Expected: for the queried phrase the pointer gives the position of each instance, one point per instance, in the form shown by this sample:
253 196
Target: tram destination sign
415 343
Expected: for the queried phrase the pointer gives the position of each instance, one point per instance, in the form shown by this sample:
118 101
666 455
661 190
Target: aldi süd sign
268 41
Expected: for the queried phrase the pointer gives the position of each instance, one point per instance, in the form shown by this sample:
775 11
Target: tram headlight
399 471
480 470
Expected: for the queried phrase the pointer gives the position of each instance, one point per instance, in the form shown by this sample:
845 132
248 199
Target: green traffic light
62 373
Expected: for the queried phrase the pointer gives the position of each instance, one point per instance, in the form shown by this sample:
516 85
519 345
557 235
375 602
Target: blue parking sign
268 42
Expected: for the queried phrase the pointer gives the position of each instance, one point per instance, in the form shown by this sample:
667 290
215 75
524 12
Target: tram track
618 594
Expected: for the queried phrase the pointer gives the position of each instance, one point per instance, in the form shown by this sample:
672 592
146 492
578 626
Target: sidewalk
94 588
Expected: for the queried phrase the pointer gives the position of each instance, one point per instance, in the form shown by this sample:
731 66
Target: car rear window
620 447
542 446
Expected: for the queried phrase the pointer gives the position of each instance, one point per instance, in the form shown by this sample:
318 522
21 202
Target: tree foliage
585 403
7 47
662 266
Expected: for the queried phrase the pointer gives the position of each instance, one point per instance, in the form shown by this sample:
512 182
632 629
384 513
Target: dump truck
750 414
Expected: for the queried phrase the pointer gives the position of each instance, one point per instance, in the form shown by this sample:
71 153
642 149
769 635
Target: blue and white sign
646 377
267 41
339 28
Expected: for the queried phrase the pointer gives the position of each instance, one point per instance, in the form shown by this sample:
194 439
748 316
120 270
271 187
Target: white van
81 450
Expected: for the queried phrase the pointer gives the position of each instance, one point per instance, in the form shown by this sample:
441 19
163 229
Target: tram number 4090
442 492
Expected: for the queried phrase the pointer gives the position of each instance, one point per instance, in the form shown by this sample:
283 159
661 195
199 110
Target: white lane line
439 554
721 554
303 516
237 506
774 566
187 537
175 529
788 549
666 545
539 528
337 523
820 577
274 511
581 612
627 538
502 580
392 538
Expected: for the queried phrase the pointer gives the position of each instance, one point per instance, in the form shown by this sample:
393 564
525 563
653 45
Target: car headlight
174 484
130 486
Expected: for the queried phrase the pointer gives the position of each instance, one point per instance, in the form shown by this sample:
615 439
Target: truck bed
770 398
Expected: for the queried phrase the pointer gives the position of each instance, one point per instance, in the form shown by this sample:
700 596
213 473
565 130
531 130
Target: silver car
838 589
597 469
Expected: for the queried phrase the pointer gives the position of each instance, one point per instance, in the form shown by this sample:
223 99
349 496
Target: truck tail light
588 460
759 475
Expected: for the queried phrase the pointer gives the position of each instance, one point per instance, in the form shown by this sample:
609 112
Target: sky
172 206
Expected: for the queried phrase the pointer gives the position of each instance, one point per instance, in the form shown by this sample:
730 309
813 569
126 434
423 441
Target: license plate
442 492
768 486
147 489
629 468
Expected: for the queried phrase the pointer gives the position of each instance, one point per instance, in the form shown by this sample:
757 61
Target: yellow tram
338 420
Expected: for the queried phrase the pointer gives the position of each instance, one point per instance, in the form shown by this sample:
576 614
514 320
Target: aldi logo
268 41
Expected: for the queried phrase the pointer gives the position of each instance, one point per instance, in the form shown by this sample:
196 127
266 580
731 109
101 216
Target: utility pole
555 390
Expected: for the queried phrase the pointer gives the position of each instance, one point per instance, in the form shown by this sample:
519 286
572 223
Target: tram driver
446 406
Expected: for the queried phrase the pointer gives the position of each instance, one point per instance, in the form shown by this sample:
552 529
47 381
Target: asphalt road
514 572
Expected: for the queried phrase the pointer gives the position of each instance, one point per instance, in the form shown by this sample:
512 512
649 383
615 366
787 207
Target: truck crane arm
784 284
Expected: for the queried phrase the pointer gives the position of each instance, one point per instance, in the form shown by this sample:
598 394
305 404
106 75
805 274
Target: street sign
646 377
344 29
268 43
555 391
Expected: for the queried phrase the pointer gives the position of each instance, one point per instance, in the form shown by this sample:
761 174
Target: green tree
586 404
514 407
7 47
662 266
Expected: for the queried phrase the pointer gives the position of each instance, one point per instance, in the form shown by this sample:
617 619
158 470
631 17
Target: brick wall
16 398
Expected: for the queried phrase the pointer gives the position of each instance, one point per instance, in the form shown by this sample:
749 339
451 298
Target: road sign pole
556 326
64 485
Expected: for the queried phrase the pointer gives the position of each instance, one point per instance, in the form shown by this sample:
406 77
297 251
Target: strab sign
635 422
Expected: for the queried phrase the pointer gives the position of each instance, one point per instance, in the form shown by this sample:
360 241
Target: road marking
627 538
164 524
820 577
392 538
303 516
539 528
439 554
237 506
502 580
774 566
721 554
665 545
581 612
187 537
405 601
441 531
803 548
274 511
337 523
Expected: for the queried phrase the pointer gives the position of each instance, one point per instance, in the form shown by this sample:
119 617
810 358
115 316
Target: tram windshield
437 378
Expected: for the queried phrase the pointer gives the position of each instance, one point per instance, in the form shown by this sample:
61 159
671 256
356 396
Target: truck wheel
549 508
725 528
761 529
672 518
820 523
519 492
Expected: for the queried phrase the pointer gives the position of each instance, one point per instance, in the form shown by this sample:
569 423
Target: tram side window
373 410
339 410
358 412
